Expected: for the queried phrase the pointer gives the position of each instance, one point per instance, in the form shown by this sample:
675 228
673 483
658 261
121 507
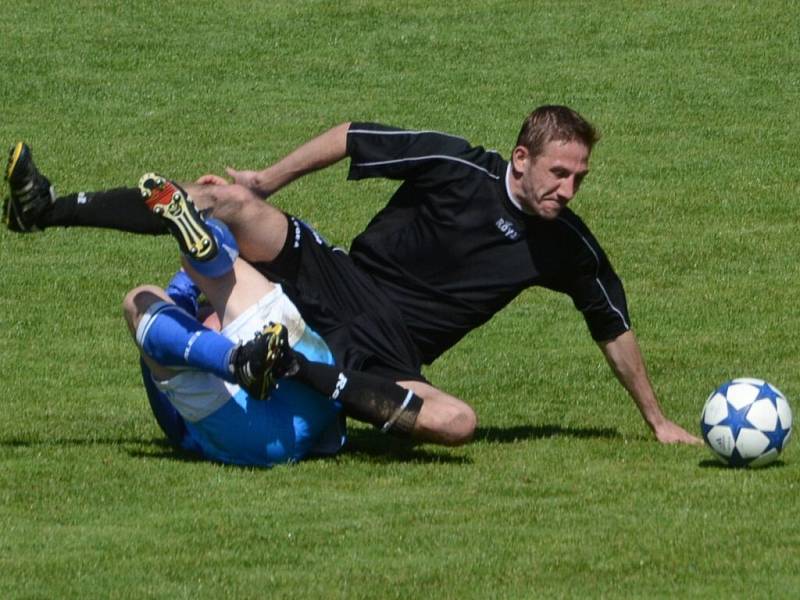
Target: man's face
548 182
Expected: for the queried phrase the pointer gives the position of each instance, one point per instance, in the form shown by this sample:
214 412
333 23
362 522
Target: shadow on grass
366 444
509 435
379 448
370 446
99 441
711 463
162 448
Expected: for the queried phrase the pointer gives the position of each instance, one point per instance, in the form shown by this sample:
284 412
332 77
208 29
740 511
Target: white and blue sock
173 338
227 251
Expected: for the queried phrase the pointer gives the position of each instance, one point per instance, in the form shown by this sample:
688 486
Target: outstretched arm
318 153
625 358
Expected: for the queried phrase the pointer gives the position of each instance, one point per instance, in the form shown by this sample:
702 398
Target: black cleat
30 192
264 359
169 201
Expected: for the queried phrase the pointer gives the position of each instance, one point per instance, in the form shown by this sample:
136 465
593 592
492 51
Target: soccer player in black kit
464 233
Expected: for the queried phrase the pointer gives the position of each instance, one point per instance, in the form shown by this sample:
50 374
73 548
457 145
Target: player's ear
520 158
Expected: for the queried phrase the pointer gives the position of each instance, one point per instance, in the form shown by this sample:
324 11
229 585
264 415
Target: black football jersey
451 248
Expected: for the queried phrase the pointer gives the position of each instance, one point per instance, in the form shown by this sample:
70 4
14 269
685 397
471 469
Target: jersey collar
511 197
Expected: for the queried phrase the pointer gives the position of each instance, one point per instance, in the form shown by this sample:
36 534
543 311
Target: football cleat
169 201
263 360
30 192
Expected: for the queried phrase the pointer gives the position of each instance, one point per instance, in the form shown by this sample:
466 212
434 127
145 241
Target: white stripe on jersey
429 157
403 132
597 278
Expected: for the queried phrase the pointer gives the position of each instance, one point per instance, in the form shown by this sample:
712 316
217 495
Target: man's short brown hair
555 123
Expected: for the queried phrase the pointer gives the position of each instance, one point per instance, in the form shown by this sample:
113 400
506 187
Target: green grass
563 493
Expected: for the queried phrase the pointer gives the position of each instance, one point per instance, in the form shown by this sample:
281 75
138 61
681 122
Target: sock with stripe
173 338
364 397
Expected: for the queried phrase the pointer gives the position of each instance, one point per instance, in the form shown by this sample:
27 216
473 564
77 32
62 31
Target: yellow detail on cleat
13 158
274 349
171 203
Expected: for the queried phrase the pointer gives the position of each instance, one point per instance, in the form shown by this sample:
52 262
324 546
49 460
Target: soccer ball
746 422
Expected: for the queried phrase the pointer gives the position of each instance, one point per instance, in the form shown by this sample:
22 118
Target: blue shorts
200 412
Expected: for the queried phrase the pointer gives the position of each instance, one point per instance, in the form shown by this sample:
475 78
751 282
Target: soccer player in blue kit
206 387
273 398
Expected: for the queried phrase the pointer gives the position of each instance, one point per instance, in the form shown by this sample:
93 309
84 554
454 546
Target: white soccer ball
746 422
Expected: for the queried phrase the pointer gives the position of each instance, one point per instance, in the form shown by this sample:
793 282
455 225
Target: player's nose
566 190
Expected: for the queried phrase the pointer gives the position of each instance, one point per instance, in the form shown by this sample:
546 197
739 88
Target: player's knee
129 306
451 424
259 228
137 301
462 426
234 203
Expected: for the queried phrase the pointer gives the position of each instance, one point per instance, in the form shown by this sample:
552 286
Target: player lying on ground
276 398
463 235
205 386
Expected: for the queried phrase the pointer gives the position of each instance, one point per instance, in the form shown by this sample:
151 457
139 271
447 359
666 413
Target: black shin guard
121 209
364 397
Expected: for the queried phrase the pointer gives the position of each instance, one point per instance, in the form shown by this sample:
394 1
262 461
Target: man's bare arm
318 153
625 358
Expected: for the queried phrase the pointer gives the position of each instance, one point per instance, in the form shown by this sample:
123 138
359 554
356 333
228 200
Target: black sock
364 397
121 208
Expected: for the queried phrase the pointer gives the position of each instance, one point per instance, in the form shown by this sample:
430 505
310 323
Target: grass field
693 193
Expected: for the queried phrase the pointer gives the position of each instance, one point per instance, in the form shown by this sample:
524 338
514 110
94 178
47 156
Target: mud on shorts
363 329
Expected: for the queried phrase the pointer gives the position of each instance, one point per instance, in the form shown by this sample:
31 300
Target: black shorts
342 303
